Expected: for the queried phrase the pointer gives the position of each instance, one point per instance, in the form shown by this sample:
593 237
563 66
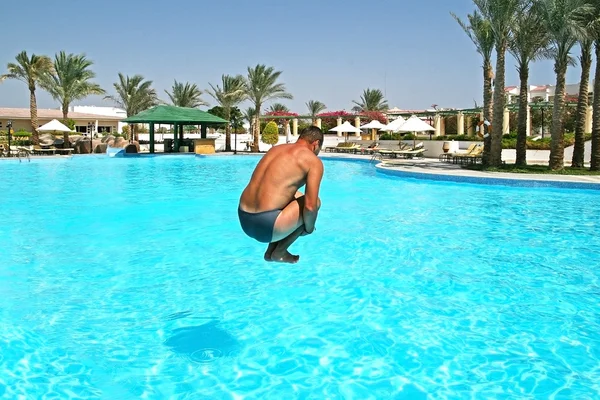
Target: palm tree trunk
256 129
582 104
595 161
228 137
499 103
65 111
35 138
557 148
487 107
522 124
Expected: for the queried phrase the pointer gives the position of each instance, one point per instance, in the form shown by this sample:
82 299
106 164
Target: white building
545 92
105 111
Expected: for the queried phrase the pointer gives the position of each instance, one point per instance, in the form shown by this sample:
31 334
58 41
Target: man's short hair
311 134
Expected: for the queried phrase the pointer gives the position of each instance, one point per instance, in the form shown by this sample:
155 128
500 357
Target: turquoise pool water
130 278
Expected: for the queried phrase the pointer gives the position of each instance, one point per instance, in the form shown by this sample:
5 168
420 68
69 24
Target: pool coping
460 175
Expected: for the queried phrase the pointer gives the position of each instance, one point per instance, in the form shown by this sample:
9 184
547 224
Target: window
104 129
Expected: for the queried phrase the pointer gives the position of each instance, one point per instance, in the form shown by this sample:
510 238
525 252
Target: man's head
314 137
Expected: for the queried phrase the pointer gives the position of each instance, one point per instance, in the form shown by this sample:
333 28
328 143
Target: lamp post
9 133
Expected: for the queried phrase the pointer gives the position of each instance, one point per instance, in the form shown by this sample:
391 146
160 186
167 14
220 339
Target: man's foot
284 257
269 251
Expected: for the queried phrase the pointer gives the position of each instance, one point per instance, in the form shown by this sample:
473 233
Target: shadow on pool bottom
203 343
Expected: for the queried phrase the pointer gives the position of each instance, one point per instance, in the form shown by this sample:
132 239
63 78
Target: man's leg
273 244
289 226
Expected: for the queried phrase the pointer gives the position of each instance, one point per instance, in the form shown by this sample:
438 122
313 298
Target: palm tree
565 21
186 95
249 114
595 158
30 70
230 95
70 81
262 86
479 30
315 107
582 102
134 95
501 15
529 43
371 100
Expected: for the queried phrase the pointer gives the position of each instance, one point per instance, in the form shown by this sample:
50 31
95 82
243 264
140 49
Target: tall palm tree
186 95
595 157
30 70
565 21
261 86
501 14
134 95
528 43
249 114
371 100
479 30
230 95
582 102
315 107
70 80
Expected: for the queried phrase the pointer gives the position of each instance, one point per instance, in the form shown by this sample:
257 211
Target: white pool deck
434 167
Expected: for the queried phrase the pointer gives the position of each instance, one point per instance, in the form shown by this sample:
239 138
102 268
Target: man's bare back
271 210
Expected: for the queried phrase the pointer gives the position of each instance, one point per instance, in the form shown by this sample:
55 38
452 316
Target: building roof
165 114
23 113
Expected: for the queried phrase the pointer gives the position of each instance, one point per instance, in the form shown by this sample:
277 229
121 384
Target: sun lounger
470 158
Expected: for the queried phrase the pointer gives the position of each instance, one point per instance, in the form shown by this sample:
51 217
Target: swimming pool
128 278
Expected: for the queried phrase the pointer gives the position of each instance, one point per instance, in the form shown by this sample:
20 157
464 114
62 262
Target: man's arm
311 195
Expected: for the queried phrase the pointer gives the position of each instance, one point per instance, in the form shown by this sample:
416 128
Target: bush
270 134
22 134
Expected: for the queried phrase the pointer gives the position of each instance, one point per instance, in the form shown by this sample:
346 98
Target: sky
327 50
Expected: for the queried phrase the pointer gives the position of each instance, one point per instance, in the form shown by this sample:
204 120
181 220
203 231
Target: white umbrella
394 125
345 127
54 126
374 124
415 124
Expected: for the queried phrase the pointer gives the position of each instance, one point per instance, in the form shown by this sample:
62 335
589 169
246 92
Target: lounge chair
469 158
416 151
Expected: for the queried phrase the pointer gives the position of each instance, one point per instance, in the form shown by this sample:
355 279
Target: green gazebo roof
165 114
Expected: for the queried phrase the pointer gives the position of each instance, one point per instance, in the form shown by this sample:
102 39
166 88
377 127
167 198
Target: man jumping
271 209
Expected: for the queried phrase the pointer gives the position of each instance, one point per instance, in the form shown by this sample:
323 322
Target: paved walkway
434 167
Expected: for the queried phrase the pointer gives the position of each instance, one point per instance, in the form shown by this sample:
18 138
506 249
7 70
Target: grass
533 169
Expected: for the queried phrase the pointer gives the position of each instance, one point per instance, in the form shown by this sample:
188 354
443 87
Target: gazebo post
151 137
175 139
203 131
181 134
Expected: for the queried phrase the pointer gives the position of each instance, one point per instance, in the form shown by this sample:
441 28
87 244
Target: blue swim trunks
260 225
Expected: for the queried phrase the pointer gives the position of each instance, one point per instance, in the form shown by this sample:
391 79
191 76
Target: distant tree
566 23
529 42
479 30
315 107
186 95
70 80
134 95
229 95
30 70
262 85
371 100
